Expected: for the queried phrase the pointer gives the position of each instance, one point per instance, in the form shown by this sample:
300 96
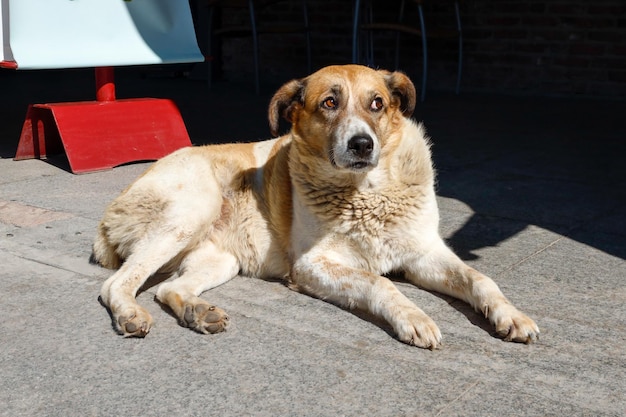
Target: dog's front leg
442 271
356 288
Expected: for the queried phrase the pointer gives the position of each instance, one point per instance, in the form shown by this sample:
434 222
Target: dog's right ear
284 102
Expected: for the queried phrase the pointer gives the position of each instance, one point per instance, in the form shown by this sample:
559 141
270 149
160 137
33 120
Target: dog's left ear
402 87
284 102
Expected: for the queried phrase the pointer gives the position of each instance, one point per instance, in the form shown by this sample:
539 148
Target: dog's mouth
360 166
348 162
354 166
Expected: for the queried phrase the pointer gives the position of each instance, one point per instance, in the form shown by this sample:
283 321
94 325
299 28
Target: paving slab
547 228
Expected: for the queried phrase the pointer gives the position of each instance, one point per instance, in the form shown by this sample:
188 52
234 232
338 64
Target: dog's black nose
361 146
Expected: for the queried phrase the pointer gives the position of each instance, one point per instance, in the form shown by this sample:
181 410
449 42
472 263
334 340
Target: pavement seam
535 253
457 398
20 255
23 215
43 263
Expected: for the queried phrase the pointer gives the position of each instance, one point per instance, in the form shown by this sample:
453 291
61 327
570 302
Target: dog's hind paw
204 318
135 322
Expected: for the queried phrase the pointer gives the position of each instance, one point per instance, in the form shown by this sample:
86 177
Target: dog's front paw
417 329
134 322
514 326
204 318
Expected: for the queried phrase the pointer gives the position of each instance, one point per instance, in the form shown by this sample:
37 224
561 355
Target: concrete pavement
532 192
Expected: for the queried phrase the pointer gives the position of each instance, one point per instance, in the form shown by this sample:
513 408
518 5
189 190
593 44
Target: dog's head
346 114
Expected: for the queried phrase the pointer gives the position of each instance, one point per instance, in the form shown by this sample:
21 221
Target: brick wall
557 47
571 47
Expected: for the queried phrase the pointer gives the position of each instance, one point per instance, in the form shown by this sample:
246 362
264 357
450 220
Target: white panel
90 33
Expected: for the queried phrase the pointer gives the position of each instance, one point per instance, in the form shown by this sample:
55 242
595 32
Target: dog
345 197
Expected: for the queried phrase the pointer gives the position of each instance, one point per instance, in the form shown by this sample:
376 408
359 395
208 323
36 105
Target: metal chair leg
460 29
369 48
307 34
355 31
424 52
255 46
209 48
400 18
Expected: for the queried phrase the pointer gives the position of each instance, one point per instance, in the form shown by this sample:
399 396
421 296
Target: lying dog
346 196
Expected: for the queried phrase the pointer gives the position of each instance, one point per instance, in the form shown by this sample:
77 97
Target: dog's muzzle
360 149
359 153
355 146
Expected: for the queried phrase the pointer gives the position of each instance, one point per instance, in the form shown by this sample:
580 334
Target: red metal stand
105 133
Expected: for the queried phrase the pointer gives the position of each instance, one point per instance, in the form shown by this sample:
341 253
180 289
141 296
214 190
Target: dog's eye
329 103
377 104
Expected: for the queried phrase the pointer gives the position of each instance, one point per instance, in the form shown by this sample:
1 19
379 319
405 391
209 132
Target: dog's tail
103 252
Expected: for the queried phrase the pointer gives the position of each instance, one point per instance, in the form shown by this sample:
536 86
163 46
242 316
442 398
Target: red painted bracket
8 64
102 134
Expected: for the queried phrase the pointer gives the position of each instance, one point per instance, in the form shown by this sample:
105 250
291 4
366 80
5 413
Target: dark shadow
154 280
60 161
461 306
472 316
480 232
22 88
375 320
114 325
167 310
555 163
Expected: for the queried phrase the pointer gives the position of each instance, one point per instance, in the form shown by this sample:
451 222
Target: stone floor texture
532 192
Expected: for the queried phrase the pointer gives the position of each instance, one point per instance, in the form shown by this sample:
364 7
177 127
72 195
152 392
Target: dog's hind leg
153 224
204 268
119 291
442 271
